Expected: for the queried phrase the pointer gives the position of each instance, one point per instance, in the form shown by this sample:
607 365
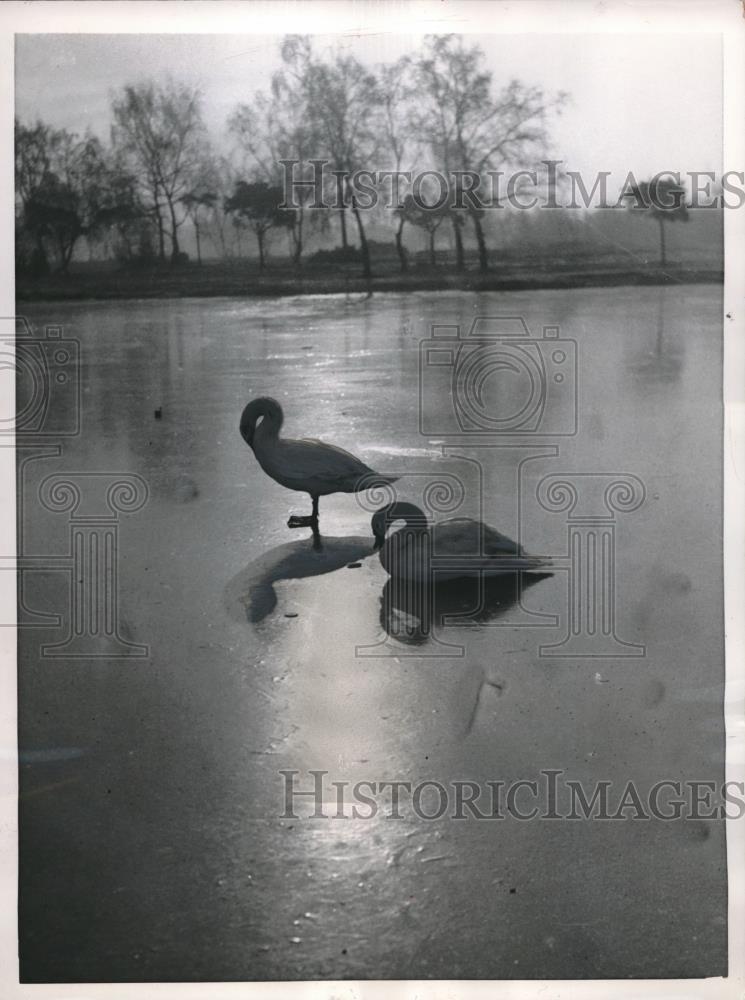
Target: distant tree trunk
483 252
159 221
260 238
432 255
175 250
459 258
297 237
663 249
400 249
366 269
343 222
196 233
39 259
161 234
66 248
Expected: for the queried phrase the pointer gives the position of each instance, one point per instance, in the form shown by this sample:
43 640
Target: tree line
436 109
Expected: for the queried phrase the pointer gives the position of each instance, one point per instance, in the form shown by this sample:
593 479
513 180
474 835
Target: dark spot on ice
344 951
498 686
290 614
653 694
184 489
678 582
353 565
700 831
158 413
512 892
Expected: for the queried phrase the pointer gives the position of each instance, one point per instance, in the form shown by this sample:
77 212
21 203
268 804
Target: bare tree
428 218
216 223
344 101
278 129
202 198
396 90
470 130
194 201
661 199
61 183
159 128
35 146
257 205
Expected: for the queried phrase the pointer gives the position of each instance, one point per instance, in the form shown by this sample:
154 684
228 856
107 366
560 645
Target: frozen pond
152 799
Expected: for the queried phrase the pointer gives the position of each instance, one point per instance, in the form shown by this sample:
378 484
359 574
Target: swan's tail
375 481
535 564
521 564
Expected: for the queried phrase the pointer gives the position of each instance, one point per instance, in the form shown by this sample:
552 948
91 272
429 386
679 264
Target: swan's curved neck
262 419
411 515
271 424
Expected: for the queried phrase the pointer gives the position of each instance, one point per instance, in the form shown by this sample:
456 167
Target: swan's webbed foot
298 521
307 522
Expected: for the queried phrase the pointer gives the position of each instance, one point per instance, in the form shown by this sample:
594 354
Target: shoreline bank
207 282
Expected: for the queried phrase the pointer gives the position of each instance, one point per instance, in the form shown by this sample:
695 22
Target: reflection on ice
251 595
411 613
664 361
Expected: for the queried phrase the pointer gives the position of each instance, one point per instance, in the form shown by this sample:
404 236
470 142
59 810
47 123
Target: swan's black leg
317 544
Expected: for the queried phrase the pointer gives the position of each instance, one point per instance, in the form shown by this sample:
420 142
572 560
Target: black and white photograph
367 373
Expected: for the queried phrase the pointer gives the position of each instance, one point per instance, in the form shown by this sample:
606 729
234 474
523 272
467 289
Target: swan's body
307 465
449 550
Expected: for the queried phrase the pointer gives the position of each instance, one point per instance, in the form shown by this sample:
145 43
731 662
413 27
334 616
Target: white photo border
722 17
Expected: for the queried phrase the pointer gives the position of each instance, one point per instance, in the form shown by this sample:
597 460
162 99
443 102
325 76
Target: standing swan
449 550
307 465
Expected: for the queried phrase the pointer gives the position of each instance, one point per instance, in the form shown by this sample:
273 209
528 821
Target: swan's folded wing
497 544
309 459
501 545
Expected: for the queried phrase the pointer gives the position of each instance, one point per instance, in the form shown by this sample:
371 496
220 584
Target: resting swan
449 550
307 465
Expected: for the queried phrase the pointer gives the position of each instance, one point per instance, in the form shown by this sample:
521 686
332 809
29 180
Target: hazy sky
639 102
